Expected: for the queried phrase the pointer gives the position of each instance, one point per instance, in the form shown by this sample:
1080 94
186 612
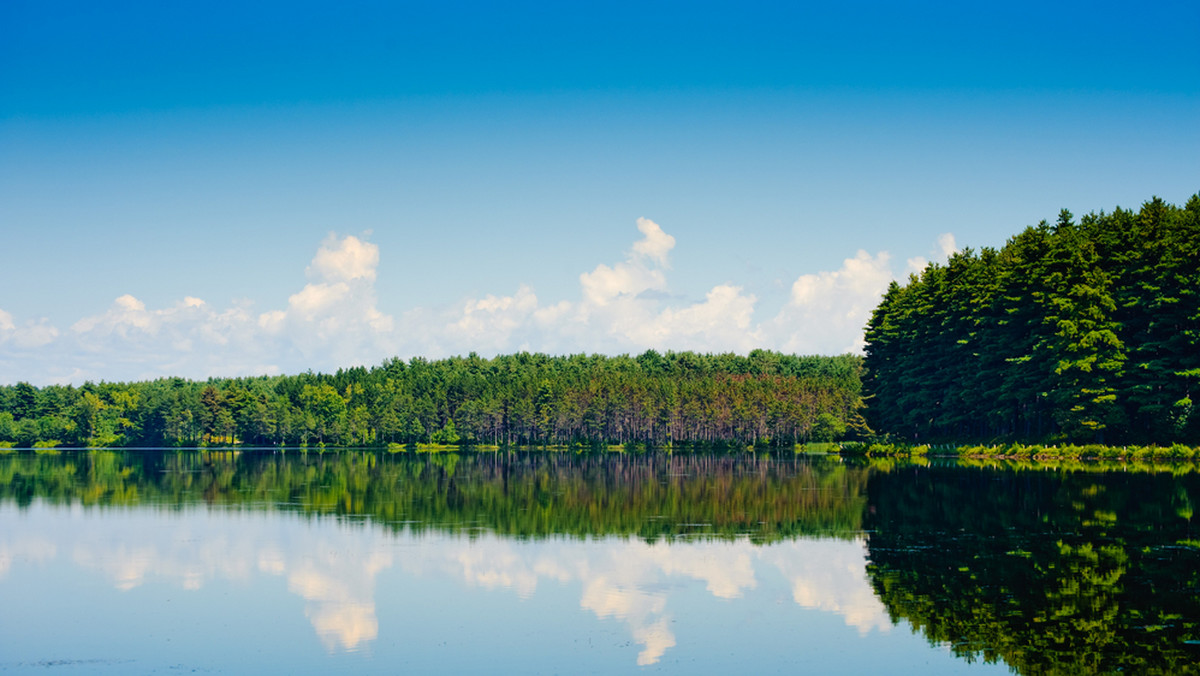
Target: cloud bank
334 320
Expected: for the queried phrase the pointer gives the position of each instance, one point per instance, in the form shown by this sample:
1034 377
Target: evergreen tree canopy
1079 331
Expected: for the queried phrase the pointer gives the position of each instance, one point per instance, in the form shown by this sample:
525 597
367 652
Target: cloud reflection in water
334 566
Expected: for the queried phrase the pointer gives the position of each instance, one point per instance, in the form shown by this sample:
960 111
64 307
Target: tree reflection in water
1054 572
1061 570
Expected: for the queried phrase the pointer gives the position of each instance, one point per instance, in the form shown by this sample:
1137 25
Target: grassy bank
1024 451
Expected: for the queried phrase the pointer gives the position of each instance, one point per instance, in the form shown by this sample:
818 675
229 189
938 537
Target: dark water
147 562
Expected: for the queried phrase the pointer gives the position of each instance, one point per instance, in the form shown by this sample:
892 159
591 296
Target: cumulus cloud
35 334
126 315
642 271
488 324
860 276
32 334
622 306
827 311
344 260
606 284
630 305
655 244
333 319
340 304
190 337
723 319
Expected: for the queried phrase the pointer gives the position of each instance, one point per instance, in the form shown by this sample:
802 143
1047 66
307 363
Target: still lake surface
268 562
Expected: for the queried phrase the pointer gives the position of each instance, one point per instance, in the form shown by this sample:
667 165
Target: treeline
1085 331
653 399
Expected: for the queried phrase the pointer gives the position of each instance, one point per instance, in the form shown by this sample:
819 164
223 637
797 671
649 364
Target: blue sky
210 189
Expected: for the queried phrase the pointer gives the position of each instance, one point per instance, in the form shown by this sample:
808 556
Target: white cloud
633 276
345 291
628 307
828 310
655 244
722 321
330 322
861 276
33 334
487 324
946 245
315 300
345 260
125 313
941 252
334 320
191 338
603 285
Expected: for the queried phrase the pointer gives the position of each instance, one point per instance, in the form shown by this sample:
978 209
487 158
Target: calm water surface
140 562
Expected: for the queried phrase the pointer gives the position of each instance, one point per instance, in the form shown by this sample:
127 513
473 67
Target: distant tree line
1082 330
676 398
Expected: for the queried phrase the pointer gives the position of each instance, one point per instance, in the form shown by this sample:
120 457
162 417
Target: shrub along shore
1022 451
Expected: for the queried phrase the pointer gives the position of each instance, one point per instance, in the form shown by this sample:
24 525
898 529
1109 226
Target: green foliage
827 428
1026 451
1078 332
677 400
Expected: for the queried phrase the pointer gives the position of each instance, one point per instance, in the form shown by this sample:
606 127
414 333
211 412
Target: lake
290 562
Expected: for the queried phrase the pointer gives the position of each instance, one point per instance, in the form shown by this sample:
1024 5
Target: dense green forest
1083 330
653 399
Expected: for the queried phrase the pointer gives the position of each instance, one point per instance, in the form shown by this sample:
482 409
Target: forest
1082 330
676 399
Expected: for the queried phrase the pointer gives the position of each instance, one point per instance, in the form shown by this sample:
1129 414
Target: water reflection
1069 570
333 566
830 576
1051 572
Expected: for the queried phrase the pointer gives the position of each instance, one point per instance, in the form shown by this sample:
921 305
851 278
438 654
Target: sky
215 189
